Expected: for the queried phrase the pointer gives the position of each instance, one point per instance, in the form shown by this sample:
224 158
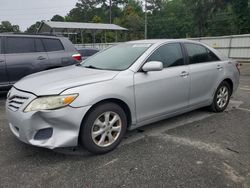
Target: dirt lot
197 149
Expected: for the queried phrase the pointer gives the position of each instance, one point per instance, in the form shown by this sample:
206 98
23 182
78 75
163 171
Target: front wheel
103 128
221 97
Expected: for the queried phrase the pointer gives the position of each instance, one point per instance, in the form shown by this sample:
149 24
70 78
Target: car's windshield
119 57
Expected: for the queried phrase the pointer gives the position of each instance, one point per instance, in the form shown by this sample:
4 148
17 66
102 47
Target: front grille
16 101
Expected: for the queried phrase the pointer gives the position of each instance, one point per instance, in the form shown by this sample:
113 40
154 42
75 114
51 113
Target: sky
26 12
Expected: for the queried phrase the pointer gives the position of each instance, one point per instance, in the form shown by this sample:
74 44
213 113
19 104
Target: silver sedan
121 88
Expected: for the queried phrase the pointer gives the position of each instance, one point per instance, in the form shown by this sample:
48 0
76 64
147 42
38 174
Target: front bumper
49 128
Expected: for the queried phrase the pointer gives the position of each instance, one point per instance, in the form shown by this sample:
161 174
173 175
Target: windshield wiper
92 67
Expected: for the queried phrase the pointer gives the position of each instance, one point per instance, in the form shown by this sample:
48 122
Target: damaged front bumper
48 128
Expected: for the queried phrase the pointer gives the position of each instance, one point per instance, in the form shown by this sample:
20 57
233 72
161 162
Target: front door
162 92
24 56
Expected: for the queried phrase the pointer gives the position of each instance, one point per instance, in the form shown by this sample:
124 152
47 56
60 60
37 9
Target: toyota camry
123 87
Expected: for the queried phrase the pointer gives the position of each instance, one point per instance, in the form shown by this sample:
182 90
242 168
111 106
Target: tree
241 11
166 18
96 19
202 11
171 20
7 27
133 22
57 18
33 28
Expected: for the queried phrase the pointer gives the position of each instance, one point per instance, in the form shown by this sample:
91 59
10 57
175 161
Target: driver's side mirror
152 66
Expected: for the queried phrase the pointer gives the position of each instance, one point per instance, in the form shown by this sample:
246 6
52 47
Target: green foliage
241 12
57 18
6 26
96 19
33 28
166 18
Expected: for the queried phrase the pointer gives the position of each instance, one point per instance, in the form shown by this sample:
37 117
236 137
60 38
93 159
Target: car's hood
57 80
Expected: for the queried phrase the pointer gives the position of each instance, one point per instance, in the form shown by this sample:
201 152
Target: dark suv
21 55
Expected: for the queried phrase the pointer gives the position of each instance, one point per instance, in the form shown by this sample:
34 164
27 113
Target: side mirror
152 66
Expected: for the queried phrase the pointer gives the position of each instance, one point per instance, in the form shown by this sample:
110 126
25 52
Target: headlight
50 102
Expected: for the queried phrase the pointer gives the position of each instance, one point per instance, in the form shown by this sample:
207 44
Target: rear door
3 74
58 57
206 71
24 56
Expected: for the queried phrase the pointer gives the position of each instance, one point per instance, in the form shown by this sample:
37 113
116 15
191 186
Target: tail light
77 57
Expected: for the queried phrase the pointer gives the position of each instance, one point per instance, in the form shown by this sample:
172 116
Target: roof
46 26
28 35
158 41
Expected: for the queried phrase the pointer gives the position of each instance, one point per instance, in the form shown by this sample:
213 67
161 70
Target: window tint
39 45
199 54
52 45
212 56
88 52
20 45
92 52
170 55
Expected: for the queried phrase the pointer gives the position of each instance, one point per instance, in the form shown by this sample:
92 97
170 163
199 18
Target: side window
39 45
170 55
52 45
20 45
199 54
212 56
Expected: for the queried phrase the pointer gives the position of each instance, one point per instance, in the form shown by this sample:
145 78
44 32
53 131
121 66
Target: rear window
91 52
20 45
52 45
88 52
199 54
39 45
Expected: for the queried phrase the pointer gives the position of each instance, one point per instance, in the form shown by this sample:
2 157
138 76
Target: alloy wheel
222 97
106 129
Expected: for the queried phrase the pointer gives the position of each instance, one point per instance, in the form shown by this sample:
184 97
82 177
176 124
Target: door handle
184 74
219 67
41 58
1 60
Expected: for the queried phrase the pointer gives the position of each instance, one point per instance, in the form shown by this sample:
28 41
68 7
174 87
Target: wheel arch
230 82
117 101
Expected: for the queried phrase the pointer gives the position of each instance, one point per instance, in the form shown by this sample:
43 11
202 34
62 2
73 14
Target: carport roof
51 26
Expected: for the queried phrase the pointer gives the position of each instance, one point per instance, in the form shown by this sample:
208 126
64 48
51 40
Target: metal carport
67 28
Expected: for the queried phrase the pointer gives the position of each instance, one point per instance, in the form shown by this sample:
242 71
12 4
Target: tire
216 106
103 128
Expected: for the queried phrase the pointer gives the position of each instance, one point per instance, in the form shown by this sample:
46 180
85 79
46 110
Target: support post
68 32
110 11
105 36
146 21
81 37
94 38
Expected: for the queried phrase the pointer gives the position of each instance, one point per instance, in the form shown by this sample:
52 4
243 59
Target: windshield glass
119 57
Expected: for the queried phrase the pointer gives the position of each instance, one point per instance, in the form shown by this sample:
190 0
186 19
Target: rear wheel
221 97
103 128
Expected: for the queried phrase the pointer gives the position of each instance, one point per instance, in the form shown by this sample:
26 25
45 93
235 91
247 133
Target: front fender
121 87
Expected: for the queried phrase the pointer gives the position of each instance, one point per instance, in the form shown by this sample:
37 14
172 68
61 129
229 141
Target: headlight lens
50 102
